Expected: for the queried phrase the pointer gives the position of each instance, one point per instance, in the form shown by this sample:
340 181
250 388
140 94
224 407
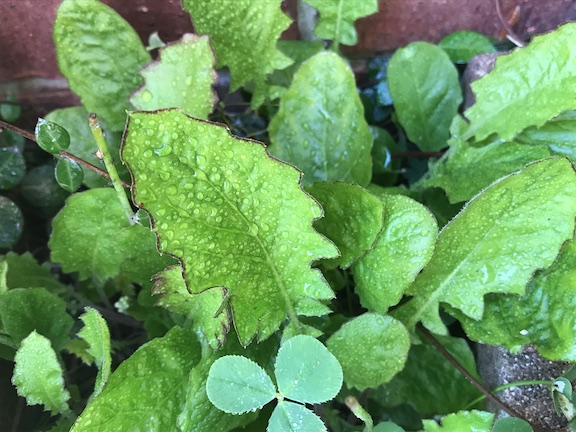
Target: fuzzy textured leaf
244 37
426 93
100 55
337 18
38 375
95 332
542 317
402 249
181 78
235 217
495 244
371 348
320 126
353 218
291 417
92 235
527 87
463 421
465 170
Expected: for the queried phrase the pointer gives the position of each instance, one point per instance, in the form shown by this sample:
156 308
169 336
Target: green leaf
353 218
25 272
51 137
306 371
495 244
511 424
69 174
291 417
234 216
38 375
463 421
371 348
402 249
92 235
25 310
12 167
181 78
40 189
237 385
82 143
542 316
11 223
95 333
233 32
10 111
559 134
426 93
461 46
429 383
100 55
320 127
465 170
337 18
203 308
387 427
541 76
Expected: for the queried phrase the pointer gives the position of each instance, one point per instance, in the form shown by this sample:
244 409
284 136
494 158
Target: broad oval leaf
100 55
11 223
320 126
462 421
38 375
527 87
371 348
402 249
352 220
291 417
69 174
461 46
95 332
181 78
306 371
496 242
12 167
234 216
511 424
237 385
426 93
51 137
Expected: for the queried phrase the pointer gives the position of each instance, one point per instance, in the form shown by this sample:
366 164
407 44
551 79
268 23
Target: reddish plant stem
31 137
512 36
471 378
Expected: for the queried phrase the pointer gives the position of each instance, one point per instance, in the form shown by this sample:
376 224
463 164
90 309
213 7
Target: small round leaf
306 371
511 424
237 385
69 174
51 137
387 427
12 167
39 188
11 223
291 417
10 111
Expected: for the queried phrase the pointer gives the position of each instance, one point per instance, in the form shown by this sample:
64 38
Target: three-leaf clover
305 371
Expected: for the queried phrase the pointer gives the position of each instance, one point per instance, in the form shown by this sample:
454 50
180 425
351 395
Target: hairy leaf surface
501 237
181 78
320 127
402 249
463 421
426 93
352 220
235 217
371 349
100 55
337 18
527 87
95 332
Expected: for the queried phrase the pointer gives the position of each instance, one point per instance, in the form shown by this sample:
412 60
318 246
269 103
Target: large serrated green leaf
320 127
337 18
527 87
353 218
465 170
243 36
371 348
181 78
100 55
92 235
38 375
501 237
543 316
426 93
95 332
234 216
402 249
463 421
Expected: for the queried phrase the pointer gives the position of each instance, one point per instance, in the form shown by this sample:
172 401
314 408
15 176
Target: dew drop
146 96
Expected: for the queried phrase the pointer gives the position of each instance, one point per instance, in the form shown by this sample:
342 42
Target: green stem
107 158
510 385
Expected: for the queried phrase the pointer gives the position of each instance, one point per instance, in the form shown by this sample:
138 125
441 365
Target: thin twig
512 36
470 377
32 137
